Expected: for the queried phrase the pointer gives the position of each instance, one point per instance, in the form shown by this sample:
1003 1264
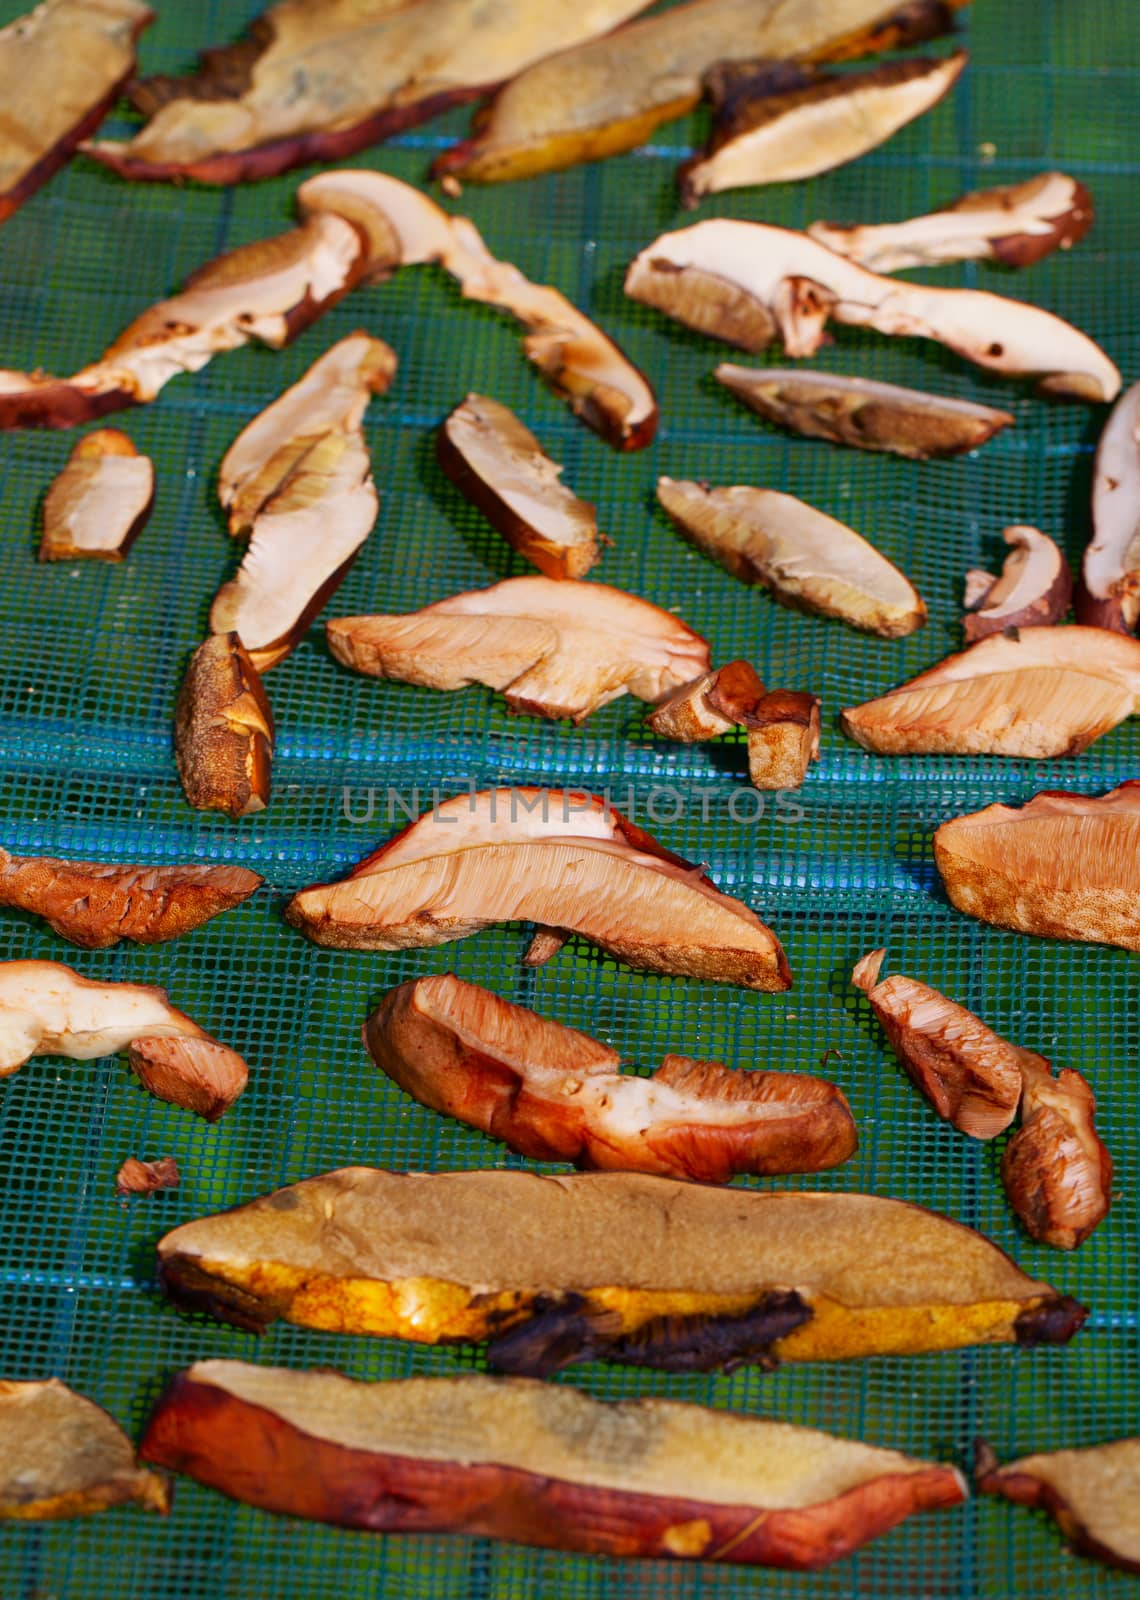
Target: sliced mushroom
615 1266
803 557
46 1009
1035 693
497 462
553 1094
538 1464
554 649
1016 224
223 730
1056 1171
562 860
1065 866
1093 1495
767 131
147 1177
1034 587
750 283
782 725
860 412
64 1456
1108 595
100 502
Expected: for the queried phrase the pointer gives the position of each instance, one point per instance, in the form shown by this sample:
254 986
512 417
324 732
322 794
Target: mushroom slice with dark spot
1056 1171
99 503
147 1177
223 730
1093 1495
783 725
1108 595
1034 587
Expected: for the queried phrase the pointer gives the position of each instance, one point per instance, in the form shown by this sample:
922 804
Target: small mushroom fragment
1016 224
1034 588
553 1094
566 861
1093 1495
536 1463
782 725
1035 693
147 1177
770 130
1056 1171
863 413
612 1266
1108 595
46 1009
497 462
223 730
803 557
1065 866
750 283
554 649
64 1456
100 502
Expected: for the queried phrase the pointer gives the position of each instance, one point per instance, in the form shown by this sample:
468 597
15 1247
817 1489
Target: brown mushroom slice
1056 1171
1016 224
863 413
750 283
539 1464
99 503
1093 1495
553 648
147 1177
783 725
553 1094
497 462
64 1456
803 557
46 1009
564 860
1108 595
1034 587
223 730
616 1266
768 133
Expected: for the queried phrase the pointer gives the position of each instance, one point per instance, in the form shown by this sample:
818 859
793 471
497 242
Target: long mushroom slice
554 1094
615 1266
1108 595
269 291
223 730
1036 693
805 558
46 1009
403 227
1093 1495
863 413
554 649
298 480
1065 866
1016 224
772 130
750 283
538 1464
1034 587
98 505
1056 1171
497 462
782 725
64 1456
566 861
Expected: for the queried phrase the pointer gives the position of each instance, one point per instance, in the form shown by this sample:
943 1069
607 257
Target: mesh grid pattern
90 658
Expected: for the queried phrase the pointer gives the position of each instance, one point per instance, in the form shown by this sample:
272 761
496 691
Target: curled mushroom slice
554 649
1066 866
782 724
1108 595
863 413
553 1094
46 1009
223 730
147 1177
1093 1495
1056 1171
99 503
497 462
1016 224
562 860
803 557
750 283
1035 586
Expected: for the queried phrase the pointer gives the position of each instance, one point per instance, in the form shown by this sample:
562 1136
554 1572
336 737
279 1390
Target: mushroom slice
806 559
860 412
553 1094
771 131
1093 1495
615 1266
1016 224
1035 586
497 462
100 502
1066 866
555 649
782 726
538 1464
562 860
147 1177
750 283
64 1456
96 903
299 481
46 1009
1108 595
1035 693
223 730
1056 1171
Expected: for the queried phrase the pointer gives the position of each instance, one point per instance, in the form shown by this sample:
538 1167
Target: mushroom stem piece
223 730
1033 589
98 505
782 725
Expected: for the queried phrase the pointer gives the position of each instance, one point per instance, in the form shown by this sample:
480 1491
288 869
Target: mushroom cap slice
1109 592
783 725
712 704
1033 589
99 503
1056 1171
1092 1494
223 730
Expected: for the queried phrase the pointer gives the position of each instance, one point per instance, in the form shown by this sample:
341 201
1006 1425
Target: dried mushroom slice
1034 587
1093 1495
783 725
1056 1171
1108 595
147 1177
99 503
223 730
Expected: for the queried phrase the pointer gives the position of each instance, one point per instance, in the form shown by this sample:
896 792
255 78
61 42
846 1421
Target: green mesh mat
90 658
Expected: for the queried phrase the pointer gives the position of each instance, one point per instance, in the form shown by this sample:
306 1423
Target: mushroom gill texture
1108 595
1093 1495
1056 1171
1033 589
99 503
